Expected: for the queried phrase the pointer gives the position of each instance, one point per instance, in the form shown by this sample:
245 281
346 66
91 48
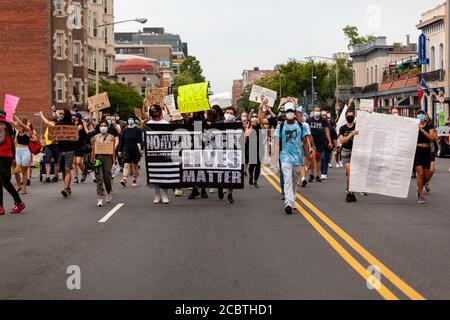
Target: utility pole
447 65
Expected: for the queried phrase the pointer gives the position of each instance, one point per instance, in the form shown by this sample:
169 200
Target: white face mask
290 116
244 119
104 130
229 117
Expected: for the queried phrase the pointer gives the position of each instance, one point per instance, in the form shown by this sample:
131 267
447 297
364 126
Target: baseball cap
289 107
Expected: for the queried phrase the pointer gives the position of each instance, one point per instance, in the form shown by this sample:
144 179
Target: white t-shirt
158 122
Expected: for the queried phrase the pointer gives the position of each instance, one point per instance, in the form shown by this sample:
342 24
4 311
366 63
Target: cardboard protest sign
98 102
223 100
138 113
104 148
155 96
10 107
63 133
169 101
193 98
258 93
367 105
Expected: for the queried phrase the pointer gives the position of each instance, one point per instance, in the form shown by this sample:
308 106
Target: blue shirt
292 143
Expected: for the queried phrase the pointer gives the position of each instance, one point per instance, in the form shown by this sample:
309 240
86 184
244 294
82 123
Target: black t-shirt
82 138
318 129
130 139
65 145
423 138
345 131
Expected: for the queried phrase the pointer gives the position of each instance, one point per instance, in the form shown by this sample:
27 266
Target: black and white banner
178 156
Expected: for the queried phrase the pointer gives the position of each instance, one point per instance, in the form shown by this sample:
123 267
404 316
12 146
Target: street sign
422 54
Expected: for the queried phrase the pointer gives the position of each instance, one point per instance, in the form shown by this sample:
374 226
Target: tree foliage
123 98
354 38
190 72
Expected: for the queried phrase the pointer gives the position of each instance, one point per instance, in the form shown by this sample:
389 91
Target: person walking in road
422 161
24 136
291 140
252 154
80 148
7 155
103 163
346 136
131 150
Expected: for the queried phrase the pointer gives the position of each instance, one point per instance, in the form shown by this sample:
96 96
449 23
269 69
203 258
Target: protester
320 131
66 148
51 156
346 136
103 164
252 154
155 113
80 148
327 152
310 156
131 150
24 136
291 141
7 156
422 161
434 150
198 118
215 115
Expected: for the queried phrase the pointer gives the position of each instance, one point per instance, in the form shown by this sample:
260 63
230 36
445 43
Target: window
441 56
107 65
433 59
60 89
94 27
376 74
77 53
59 45
77 90
58 8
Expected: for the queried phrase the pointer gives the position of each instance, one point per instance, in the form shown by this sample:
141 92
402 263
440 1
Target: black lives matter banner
178 156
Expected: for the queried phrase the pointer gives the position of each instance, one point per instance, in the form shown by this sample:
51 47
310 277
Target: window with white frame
59 45
78 90
59 8
60 88
77 53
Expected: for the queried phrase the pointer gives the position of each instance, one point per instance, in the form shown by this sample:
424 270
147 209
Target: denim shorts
66 159
23 156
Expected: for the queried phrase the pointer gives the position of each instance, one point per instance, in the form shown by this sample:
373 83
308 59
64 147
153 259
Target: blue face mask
422 117
109 122
131 122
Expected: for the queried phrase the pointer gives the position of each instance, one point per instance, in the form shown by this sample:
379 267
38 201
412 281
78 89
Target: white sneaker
99 203
165 199
330 166
157 200
211 191
109 198
324 177
337 166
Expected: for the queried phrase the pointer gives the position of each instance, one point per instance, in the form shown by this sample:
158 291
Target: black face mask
351 119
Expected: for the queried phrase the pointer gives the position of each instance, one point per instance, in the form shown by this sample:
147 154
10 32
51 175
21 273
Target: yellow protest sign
193 98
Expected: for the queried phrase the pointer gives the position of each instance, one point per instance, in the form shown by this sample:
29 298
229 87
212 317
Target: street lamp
97 53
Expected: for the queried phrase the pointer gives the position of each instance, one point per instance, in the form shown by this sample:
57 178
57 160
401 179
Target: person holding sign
7 154
103 153
66 147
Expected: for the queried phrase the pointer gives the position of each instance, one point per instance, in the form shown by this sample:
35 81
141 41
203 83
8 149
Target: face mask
317 114
350 119
117 118
131 122
229 117
290 116
422 117
60 118
104 130
109 122
396 115
244 119
254 120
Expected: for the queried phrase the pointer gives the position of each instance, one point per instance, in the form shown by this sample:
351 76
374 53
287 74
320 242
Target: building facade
432 25
249 77
238 88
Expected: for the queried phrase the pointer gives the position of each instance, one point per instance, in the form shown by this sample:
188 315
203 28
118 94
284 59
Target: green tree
190 72
354 38
123 98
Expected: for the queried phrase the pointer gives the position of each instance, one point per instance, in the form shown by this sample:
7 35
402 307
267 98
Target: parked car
444 141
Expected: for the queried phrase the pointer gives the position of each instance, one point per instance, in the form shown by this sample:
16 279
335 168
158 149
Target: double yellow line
386 273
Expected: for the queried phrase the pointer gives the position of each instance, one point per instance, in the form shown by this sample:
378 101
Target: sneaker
55 179
427 188
204 195
135 184
157 200
288 210
83 177
211 191
47 180
28 182
255 185
2 211
324 177
165 199
349 198
230 199
179 193
65 193
250 181
124 182
194 194
364 194
94 181
421 200
330 166
282 197
304 183
76 181
18 208
353 198
318 179
109 198
337 166
221 194
70 191
311 179
99 202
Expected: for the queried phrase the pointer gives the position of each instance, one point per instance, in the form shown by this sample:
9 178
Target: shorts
346 156
66 159
320 149
433 156
79 152
51 154
423 158
23 156
131 156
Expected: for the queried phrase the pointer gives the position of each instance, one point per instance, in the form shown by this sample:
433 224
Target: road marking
359 268
111 213
371 259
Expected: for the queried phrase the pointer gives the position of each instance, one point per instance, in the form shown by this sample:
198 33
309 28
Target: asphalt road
207 249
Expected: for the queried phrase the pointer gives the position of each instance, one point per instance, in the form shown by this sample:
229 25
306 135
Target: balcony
437 75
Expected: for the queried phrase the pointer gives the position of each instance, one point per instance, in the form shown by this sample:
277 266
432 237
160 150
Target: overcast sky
230 36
